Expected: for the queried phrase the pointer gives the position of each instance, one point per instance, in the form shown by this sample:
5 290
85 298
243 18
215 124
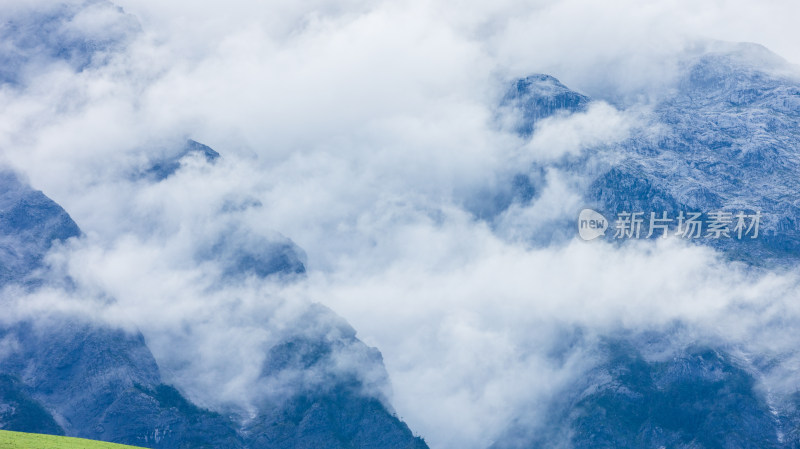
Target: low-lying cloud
360 130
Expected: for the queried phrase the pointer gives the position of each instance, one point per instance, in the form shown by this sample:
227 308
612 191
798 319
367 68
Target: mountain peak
166 167
539 96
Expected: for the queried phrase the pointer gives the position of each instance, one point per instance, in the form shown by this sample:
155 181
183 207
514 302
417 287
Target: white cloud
361 128
601 125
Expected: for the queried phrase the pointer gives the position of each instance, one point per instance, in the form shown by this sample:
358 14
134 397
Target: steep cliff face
29 224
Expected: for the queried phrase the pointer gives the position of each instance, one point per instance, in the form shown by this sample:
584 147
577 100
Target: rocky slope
728 139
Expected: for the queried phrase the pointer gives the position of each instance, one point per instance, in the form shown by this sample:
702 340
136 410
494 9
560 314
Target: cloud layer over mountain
371 135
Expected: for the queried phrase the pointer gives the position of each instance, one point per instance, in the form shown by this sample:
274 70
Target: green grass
20 440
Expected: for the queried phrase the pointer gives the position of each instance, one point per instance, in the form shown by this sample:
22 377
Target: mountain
240 251
538 97
102 383
728 138
64 375
29 224
162 169
90 381
698 397
65 32
330 407
19 410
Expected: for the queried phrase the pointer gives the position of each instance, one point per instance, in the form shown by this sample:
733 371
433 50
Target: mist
360 131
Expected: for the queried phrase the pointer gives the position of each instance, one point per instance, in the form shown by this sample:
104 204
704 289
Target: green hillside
20 440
